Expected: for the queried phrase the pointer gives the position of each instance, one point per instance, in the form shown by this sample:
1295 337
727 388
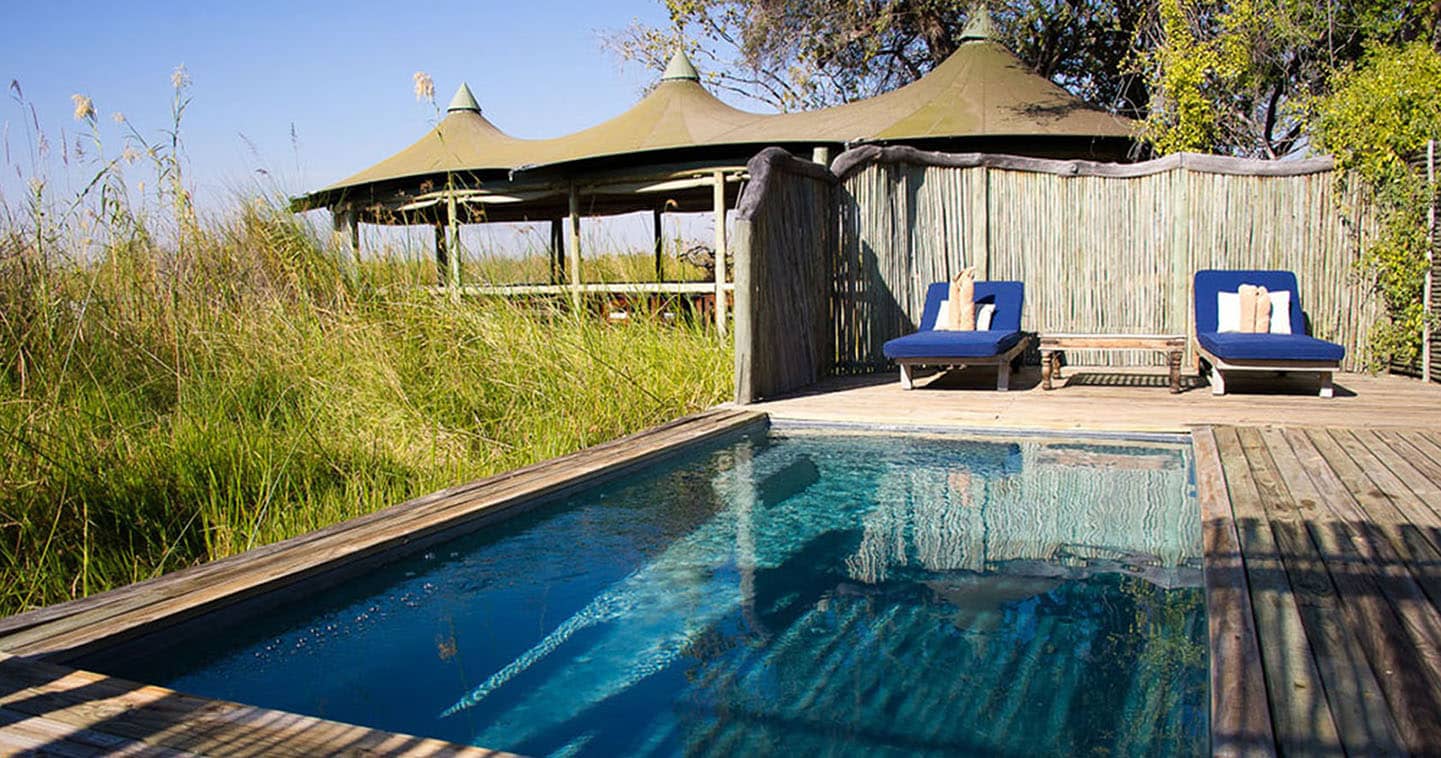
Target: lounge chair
1240 351
997 346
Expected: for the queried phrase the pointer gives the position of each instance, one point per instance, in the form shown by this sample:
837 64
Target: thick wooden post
659 246
746 354
1427 303
442 256
720 250
821 155
453 248
986 221
557 251
347 226
572 231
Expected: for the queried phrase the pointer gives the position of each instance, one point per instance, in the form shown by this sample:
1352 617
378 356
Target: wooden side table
1053 344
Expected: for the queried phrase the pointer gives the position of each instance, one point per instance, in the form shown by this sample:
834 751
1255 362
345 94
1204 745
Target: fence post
1427 302
743 325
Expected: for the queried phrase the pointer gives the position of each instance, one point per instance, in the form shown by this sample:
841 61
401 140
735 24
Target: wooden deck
1114 400
1328 542
54 710
1322 536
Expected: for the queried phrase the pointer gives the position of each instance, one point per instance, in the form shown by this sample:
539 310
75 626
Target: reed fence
1104 248
1101 247
784 240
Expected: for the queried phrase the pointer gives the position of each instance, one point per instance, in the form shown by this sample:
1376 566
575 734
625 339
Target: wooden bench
1052 345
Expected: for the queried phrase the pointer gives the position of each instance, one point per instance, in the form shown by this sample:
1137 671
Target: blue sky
339 75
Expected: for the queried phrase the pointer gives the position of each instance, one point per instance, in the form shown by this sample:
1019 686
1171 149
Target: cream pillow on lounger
1281 312
1228 311
984 315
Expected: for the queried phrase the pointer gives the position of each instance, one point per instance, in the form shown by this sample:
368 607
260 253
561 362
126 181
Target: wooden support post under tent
719 178
573 242
347 225
453 247
442 256
659 246
557 251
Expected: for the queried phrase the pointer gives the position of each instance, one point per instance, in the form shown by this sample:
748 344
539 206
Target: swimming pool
792 589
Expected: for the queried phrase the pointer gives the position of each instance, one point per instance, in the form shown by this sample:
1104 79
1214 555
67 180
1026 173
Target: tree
793 54
1378 113
1229 76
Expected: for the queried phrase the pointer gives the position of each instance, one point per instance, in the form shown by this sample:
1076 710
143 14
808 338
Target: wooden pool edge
46 705
36 644
47 708
1240 713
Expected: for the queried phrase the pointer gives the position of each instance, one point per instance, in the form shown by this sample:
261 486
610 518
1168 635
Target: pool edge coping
44 662
1212 499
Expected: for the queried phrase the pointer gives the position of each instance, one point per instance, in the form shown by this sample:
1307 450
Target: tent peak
979 26
680 68
464 100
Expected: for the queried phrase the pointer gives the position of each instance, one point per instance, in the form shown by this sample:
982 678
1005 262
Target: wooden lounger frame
1001 361
1218 380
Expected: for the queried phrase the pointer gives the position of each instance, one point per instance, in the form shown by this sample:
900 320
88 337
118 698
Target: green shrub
1376 116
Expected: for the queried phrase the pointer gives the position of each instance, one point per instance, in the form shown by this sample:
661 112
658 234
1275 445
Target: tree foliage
1378 113
791 54
1228 76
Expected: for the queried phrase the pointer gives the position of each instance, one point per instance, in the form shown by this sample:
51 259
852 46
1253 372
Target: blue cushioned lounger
997 346
1240 351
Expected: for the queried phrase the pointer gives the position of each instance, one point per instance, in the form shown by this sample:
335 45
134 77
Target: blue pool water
793 590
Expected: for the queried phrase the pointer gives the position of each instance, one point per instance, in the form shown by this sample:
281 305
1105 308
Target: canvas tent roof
981 92
678 113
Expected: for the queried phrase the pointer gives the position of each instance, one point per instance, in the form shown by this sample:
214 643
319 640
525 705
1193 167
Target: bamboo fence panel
1100 247
785 225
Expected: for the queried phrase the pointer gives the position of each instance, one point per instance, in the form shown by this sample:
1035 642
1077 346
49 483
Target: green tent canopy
664 151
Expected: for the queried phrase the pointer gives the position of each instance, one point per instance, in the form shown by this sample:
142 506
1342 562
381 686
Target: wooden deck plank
1396 507
72 707
1301 718
1407 565
1420 474
1422 452
23 732
1402 667
1352 693
348 547
1240 718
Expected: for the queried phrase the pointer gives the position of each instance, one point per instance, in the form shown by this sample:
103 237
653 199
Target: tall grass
175 390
